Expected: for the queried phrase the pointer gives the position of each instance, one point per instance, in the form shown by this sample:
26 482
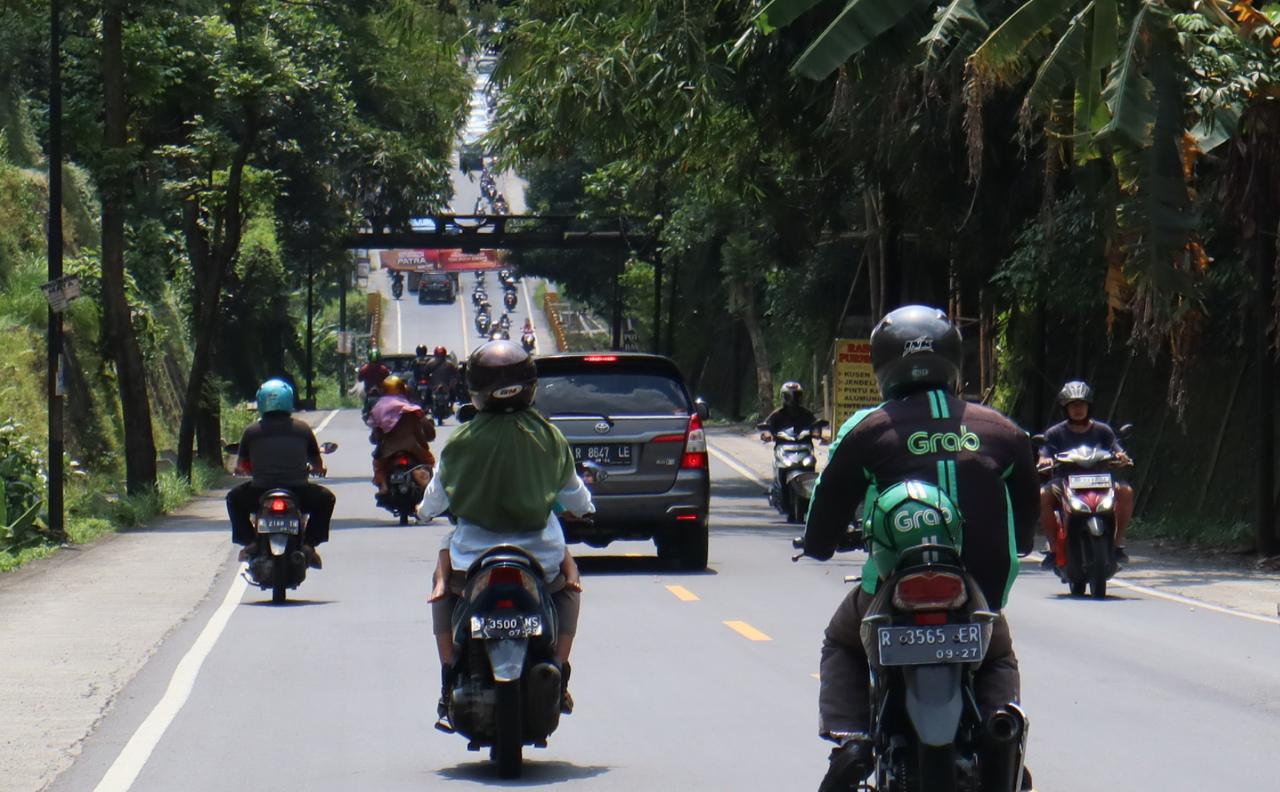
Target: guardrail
375 320
549 300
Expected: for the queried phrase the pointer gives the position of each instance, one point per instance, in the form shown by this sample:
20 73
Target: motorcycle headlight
808 461
1077 504
1108 502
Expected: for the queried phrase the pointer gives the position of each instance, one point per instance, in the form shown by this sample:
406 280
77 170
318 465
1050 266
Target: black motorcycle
509 690
441 404
482 323
478 296
509 299
279 564
397 288
404 491
529 341
794 469
926 633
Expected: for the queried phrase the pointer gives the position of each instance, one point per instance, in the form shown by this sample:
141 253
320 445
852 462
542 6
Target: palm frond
780 13
1128 91
953 23
1002 58
1058 70
858 25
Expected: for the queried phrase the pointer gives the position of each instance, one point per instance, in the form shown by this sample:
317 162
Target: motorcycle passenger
1080 429
374 372
278 451
922 431
501 475
400 426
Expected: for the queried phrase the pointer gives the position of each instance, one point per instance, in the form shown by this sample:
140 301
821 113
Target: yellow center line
747 631
683 594
633 555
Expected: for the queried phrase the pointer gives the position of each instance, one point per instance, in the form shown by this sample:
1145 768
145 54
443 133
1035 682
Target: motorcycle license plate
604 454
489 627
284 525
946 643
400 478
1090 481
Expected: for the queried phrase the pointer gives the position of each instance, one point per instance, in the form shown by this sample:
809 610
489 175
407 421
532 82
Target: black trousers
315 501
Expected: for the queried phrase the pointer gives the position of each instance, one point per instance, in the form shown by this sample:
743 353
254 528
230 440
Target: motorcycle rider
921 431
400 426
278 450
792 413
1081 429
373 372
443 372
502 475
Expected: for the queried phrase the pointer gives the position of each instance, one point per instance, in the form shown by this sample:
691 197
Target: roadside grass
1196 533
95 508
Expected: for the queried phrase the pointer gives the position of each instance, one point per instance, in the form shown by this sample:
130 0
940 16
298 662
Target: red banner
435 260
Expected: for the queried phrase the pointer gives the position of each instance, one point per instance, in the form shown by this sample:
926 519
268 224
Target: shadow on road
535 773
737 488
289 603
627 565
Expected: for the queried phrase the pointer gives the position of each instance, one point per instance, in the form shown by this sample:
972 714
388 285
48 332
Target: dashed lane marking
747 631
683 594
326 421
633 555
466 327
738 467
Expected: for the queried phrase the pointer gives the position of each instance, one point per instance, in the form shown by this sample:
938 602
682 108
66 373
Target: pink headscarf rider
389 409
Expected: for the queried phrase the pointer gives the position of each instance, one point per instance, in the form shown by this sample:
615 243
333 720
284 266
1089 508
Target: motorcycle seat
506 554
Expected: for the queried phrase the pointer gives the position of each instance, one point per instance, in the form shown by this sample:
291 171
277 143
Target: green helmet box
908 514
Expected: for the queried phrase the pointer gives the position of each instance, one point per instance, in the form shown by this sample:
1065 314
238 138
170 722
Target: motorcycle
441 405
498 333
405 487
280 524
424 391
794 469
482 323
478 296
529 341
371 397
509 689
504 322
926 634
397 288
509 300
1084 536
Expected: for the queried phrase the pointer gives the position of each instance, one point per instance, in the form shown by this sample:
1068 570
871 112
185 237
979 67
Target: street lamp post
53 380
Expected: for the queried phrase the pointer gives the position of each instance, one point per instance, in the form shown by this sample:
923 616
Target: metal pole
311 294
53 384
344 275
657 302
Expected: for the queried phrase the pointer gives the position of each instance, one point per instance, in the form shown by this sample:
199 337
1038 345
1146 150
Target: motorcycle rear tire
279 588
1077 589
1100 554
508 742
404 518
935 769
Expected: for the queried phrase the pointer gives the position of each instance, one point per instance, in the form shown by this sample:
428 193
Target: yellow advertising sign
855 382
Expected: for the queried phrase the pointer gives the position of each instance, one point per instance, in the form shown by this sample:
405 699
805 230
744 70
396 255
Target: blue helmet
275 395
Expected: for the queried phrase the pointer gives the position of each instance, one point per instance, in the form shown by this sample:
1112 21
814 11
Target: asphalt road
683 681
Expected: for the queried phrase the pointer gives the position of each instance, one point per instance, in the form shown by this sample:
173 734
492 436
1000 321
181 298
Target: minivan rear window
610 393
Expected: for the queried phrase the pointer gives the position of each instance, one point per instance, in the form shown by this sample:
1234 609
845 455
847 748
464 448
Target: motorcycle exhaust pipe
1003 745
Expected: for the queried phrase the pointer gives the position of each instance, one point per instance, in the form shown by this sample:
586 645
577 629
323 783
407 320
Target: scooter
441 405
482 323
405 486
509 299
793 458
509 689
1084 535
397 288
529 341
279 564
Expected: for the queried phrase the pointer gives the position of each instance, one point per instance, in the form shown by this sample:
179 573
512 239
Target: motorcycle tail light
930 619
279 505
922 591
508 604
504 576
403 459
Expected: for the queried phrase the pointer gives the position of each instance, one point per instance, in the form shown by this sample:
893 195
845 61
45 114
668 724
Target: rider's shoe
1027 784
1050 560
313 558
442 706
247 552
1121 555
566 700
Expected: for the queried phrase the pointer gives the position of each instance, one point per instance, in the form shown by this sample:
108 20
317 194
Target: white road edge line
133 757
399 330
1181 600
738 467
466 327
326 421
528 307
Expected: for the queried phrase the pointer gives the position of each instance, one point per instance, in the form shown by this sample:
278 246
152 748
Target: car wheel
693 546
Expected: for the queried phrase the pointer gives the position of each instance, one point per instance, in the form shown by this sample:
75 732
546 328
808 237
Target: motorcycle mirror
1038 439
328 448
700 406
1125 430
466 412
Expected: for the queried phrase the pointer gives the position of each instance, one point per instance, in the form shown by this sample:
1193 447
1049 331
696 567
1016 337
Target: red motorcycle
1083 537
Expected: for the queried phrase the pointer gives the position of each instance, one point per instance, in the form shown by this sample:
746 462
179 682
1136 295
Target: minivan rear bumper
646 515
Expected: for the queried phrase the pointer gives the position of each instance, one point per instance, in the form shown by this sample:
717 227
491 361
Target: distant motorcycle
482 323
794 469
509 300
499 333
280 525
504 322
529 341
441 404
509 689
478 296
405 487
397 288
1084 535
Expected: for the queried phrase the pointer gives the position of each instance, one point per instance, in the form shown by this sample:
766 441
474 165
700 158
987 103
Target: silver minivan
631 415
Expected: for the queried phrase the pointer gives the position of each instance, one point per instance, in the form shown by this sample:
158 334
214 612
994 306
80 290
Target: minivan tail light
601 358
930 591
695 446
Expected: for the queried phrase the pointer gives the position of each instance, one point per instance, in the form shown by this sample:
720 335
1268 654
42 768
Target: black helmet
420 350
501 377
913 348
1075 390
792 394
